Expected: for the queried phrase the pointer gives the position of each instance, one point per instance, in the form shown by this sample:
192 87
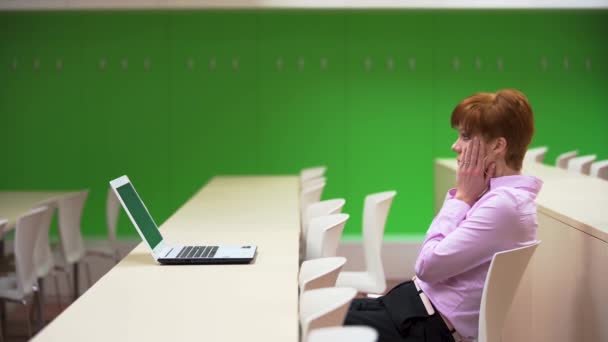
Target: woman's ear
500 145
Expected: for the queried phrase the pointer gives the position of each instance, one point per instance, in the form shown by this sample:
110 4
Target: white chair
599 169
309 196
22 285
371 280
312 172
319 273
72 250
353 333
4 262
323 308
323 235
504 275
43 259
322 208
312 182
581 164
562 159
3 225
536 154
42 252
108 249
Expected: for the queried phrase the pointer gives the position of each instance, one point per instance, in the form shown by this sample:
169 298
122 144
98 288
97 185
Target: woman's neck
503 170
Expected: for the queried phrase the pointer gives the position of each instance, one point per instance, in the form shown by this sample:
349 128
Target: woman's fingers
467 156
474 153
481 158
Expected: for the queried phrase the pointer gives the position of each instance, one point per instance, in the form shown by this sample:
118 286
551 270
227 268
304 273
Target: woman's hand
473 178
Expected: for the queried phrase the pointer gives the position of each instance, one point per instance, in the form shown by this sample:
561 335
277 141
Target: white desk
563 295
139 300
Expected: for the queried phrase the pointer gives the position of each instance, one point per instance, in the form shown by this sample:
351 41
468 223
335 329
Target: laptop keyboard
197 252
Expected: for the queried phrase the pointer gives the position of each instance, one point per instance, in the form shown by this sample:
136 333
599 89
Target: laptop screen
139 213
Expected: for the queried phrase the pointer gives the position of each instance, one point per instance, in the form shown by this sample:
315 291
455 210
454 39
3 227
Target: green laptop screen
139 213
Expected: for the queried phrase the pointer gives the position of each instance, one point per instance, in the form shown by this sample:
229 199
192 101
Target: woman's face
463 141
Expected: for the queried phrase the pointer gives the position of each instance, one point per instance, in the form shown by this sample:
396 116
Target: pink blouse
459 245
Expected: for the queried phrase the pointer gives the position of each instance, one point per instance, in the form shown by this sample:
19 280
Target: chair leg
40 306
3 318
69 282
57 290
32 310
29 325
76 280
89 278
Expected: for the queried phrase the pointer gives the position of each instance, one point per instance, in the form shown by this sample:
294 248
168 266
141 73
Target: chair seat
46 268
7 263
362 281
8 288
60 261
102 249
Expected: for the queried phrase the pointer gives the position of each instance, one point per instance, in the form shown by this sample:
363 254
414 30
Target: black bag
404 306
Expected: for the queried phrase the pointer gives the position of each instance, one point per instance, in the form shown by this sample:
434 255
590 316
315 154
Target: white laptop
164 252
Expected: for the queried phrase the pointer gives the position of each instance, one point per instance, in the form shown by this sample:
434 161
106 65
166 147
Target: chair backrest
309 196
323 208
504 275
320 273
312 172
312 182
562 160
43 257
112 211
375 212
599 169
26 235
323 235
581 164
70 215
536 154
353 333
326 307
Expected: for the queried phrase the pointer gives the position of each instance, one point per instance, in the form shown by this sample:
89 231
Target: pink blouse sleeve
455 244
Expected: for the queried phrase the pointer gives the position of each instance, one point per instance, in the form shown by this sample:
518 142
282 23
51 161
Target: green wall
376 127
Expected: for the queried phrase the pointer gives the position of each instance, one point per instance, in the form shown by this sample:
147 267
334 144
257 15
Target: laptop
164 252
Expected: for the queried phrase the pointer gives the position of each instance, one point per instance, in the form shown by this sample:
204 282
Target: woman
491 209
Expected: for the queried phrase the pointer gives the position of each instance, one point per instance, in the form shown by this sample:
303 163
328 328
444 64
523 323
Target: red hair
506 113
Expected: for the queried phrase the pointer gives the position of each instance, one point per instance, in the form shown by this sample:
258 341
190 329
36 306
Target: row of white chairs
323 224
571 161
34 258
324 299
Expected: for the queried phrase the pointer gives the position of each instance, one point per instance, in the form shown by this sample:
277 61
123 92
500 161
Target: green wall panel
172 98
389 119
